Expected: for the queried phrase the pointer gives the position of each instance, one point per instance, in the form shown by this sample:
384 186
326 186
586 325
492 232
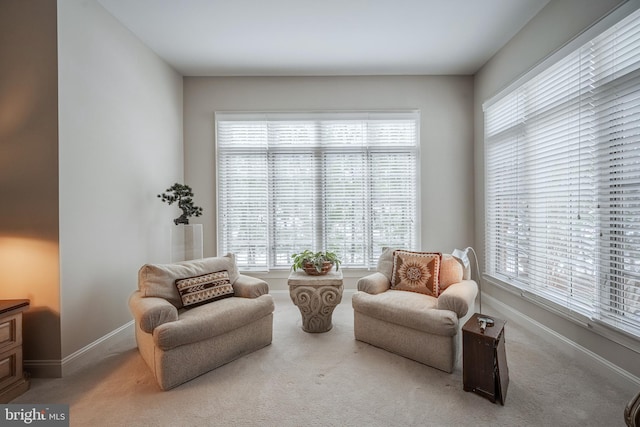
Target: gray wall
446 135
29 170
120 109
90 132
556 24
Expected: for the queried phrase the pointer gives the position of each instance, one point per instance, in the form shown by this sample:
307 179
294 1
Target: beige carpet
330 379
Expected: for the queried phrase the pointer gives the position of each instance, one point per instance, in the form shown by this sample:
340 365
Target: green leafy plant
317 259
183 195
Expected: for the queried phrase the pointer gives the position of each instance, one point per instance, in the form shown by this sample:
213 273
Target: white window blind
562 155
343 182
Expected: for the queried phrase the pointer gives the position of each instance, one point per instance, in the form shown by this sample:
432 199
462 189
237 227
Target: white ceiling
324 37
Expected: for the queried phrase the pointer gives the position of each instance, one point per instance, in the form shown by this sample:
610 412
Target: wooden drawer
10 367
10 331
12 379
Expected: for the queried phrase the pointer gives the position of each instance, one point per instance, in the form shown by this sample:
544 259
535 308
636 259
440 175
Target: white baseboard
95 351
86 356
584 355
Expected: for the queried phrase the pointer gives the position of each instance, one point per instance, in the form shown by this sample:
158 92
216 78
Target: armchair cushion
158 280
210 320
385 262
409 309
451 271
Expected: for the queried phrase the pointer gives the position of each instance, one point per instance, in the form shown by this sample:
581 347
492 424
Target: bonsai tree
184 196
316 259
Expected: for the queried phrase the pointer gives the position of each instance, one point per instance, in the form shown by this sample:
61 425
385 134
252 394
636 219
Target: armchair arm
249 287
459 297
151 312
374 283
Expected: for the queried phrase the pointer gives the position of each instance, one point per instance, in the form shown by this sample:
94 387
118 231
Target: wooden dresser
12 379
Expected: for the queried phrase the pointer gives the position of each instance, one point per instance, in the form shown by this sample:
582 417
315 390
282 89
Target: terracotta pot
310 269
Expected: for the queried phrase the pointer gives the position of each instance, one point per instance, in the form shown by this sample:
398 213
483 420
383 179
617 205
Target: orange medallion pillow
416 272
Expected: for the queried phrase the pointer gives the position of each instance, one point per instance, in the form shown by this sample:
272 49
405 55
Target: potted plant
184 196
315 263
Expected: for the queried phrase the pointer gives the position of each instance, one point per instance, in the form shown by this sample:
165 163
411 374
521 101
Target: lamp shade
462 255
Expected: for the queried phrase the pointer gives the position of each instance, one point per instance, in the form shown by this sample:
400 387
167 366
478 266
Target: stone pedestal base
316 297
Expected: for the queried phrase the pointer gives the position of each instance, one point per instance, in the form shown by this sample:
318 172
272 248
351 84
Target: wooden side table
12 379
316 297
484 361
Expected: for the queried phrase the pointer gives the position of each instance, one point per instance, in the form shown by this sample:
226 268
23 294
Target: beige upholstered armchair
193 316
414 305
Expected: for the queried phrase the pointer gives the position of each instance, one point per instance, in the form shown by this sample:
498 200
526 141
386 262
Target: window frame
593 322
369 151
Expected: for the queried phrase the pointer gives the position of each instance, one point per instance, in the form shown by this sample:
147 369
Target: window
343 182
563 181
